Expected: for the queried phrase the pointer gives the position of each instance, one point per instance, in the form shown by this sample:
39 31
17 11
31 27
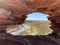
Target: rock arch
15 11
18 9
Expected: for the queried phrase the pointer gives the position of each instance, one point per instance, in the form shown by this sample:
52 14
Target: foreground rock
15 11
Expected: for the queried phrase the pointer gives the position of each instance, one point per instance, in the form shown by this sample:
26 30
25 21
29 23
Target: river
19 31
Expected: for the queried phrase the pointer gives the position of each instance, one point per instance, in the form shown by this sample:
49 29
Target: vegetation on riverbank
36 28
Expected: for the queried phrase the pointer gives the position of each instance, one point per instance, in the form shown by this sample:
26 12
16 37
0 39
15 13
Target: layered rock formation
15 11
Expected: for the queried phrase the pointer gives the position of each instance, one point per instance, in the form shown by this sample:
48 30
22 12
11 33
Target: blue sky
37 16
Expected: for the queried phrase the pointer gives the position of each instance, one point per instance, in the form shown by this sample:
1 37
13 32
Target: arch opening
35 24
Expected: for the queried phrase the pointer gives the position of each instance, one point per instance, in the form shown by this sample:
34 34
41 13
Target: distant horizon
37 17
37 20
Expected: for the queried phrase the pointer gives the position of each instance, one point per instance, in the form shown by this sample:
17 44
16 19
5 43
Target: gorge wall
14 12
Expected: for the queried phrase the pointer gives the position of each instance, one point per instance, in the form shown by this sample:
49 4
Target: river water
19 31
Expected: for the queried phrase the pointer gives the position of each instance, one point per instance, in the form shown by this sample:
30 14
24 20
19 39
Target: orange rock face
15 11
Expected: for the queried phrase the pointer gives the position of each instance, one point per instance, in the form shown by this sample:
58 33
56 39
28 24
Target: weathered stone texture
15 11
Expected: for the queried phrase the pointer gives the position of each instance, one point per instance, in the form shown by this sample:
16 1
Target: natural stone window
35 24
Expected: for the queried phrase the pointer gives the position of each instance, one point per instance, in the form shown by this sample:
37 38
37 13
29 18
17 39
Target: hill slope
36 28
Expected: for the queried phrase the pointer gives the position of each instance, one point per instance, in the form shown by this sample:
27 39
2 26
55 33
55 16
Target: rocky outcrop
15 11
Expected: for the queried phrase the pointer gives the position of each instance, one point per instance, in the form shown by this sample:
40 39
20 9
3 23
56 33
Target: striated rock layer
14 12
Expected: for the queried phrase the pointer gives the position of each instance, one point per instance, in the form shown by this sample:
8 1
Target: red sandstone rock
15 11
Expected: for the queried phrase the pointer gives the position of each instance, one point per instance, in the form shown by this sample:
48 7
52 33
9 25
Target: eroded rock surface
15 11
